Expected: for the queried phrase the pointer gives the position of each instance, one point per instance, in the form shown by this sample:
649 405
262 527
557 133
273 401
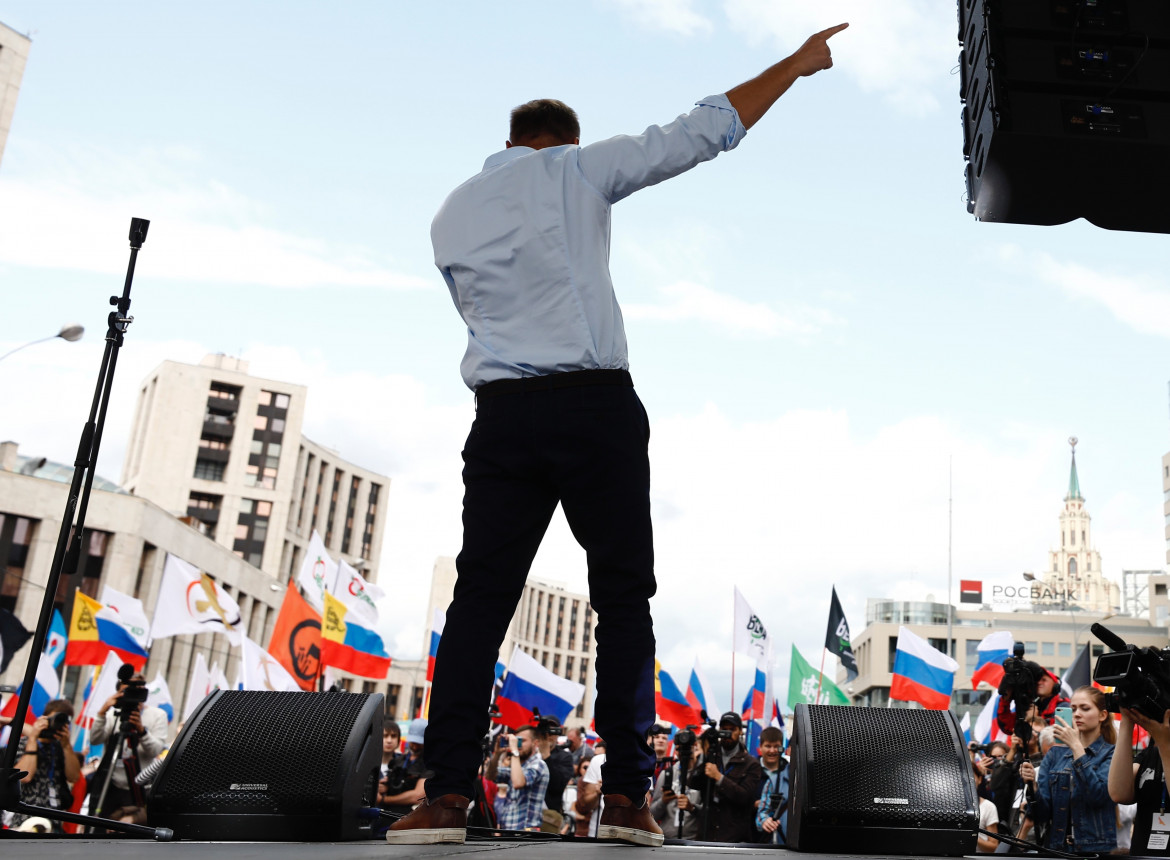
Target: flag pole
732 708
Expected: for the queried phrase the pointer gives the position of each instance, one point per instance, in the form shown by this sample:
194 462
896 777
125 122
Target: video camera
546 726
1019 684
134 693
1140 676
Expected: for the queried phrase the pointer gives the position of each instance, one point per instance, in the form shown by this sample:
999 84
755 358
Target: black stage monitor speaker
880 781
269 766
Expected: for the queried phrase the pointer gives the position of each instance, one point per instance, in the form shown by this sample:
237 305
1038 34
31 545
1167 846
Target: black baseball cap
658 729
732 718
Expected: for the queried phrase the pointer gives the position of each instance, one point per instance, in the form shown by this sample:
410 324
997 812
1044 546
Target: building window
417 702
1048 649
350 507
252 530
209 470
16 536
371 515
317 497
332 507
392 694
1083 536
1064 649
1160 589
267 438
1030 647
204 508
304 491
1072 567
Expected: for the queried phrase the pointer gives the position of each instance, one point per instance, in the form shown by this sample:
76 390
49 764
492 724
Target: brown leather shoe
622 820
443 819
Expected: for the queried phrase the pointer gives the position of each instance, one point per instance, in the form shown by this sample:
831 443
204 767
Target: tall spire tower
1074 574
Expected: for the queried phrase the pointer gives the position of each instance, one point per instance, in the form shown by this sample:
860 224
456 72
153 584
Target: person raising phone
1074 793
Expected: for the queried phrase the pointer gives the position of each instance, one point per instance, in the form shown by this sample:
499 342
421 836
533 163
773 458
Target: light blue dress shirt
524 244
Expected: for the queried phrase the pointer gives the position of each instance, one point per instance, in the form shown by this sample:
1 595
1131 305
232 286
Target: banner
838 640
528 686
922 673
751 637
318 572
192 602
296 639
803 680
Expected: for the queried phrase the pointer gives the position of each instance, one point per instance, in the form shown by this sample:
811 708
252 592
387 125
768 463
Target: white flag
158 695
239 682
263 672
751 637
105 686
199 687
357 594
128 612
191 602
318 572
219 680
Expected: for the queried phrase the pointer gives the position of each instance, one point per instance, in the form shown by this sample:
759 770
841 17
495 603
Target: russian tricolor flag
438 622
46 687
347 645
669 701
697 688
922 673
528 687
993 650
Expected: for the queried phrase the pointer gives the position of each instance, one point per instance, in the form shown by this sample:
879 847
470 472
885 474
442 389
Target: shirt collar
506 155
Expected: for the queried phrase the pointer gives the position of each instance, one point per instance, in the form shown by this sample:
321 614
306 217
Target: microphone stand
68 553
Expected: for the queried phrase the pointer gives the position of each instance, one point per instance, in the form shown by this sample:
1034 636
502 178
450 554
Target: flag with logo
358 595
262 671
199 687
670 702
56 639
922 673
837 639
803 682
697 688
193 602
129 613
751 637
158 695
12 637
318 573
296 639
348 645
993 650
95 631
438 622
528 686
46 687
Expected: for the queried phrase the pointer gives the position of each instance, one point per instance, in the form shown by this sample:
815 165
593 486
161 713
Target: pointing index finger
833 31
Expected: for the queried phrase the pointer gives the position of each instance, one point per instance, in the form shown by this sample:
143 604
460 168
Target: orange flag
296 639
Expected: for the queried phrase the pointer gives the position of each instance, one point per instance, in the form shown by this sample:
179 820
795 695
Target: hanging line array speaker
880 780
272 766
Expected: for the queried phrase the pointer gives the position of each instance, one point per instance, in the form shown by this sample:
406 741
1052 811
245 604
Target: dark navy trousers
585 446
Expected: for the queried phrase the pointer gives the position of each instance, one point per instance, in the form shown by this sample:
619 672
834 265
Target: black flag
837 638
1077 675
12 637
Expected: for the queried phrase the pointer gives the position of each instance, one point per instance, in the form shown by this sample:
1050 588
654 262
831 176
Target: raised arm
753 98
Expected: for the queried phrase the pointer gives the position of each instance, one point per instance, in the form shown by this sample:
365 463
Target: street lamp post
71 333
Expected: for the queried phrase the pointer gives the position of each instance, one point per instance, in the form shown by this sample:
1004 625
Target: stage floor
34 848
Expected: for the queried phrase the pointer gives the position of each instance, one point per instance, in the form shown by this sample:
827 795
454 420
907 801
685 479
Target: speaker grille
856 760
225 750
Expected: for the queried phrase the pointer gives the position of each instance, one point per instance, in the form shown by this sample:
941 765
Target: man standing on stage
524 249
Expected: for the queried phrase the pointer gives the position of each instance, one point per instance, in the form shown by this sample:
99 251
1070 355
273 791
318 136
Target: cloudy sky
821 333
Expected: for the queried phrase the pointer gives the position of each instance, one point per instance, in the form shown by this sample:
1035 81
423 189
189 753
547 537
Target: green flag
802 685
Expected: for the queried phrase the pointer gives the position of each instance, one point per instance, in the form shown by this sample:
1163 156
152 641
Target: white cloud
1140 301
902 49
74 213
673 16
685 301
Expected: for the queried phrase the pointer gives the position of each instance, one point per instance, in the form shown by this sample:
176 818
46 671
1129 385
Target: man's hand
1027 772
753 98
134 720
770 825
109 703
684 802
711 770
814 55
1159 731
33 733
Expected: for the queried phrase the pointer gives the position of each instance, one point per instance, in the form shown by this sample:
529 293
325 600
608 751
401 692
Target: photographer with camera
1073 791
522 776
669 800
47 756
143 728
772 813
1144 781
730 782
406 773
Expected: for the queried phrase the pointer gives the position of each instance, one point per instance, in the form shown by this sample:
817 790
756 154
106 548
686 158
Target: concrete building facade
13 57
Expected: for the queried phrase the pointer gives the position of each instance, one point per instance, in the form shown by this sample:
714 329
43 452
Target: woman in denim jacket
1073 792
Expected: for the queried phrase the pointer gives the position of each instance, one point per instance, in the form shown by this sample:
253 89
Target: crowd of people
535 779
1072 783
